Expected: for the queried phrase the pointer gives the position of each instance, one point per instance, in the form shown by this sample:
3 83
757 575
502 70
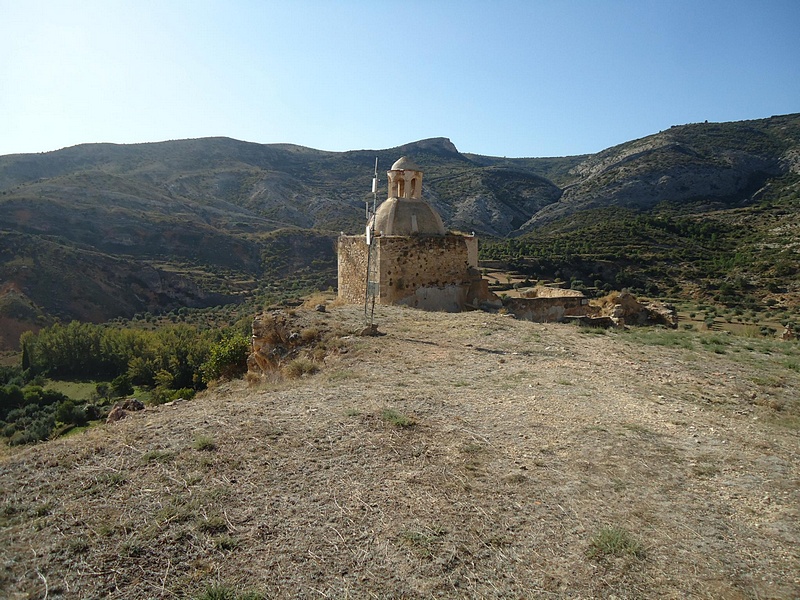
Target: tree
71 412
11 397
228 358
121 386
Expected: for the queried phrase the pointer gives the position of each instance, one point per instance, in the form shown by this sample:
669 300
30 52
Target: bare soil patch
465 455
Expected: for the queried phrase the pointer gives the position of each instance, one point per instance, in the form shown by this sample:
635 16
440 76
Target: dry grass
328 299
504 487
299 367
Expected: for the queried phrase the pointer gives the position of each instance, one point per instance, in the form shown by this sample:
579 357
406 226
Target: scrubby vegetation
29 414
740 258
171 362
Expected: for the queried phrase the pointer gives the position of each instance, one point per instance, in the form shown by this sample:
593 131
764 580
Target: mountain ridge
201 212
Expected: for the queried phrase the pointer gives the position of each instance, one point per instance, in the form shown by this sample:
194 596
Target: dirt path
530 443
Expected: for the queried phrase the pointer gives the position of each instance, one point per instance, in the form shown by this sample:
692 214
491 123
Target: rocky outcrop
121 409
624 309
618 309
791 160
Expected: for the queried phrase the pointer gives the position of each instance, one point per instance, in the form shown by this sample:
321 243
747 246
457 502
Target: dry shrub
252 378
299 367
319 354
316 298
769 402
610 299
337 302
270 329
270 380
309 334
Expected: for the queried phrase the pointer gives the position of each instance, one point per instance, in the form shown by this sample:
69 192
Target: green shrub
218 592
28 414
204 443
121 386
223 592
227 359
72 412
213 525
36 431
11 397
226 542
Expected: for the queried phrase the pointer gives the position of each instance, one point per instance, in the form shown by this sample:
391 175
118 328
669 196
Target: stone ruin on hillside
406 258
411 260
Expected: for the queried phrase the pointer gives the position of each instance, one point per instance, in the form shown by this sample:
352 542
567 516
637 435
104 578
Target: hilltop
102 231
467 455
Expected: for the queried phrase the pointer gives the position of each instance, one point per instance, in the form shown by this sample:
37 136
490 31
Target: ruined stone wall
541 291
546 310
472 251
408 263
352 250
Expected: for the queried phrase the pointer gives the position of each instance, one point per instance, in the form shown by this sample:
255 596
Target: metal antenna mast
372 267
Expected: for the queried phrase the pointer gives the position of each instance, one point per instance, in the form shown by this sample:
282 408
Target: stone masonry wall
352 251
413 270
410 263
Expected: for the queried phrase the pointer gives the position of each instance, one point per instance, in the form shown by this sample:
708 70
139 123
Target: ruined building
407 258
410 258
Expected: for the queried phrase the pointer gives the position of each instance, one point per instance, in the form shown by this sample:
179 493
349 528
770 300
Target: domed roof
407 216
404 164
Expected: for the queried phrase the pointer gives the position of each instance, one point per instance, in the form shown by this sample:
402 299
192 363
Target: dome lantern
404 212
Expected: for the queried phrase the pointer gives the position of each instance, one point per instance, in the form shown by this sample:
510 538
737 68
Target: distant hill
99 231
719 165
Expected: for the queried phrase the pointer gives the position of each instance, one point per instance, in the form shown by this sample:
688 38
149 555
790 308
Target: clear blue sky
503 78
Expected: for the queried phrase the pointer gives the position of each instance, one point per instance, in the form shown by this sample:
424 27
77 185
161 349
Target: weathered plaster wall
472 251
450 298
541 291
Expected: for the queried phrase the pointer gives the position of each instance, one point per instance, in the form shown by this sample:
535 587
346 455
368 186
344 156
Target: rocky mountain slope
719 164
99 231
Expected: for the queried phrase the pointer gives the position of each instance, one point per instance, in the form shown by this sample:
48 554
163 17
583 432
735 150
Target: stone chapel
414 261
